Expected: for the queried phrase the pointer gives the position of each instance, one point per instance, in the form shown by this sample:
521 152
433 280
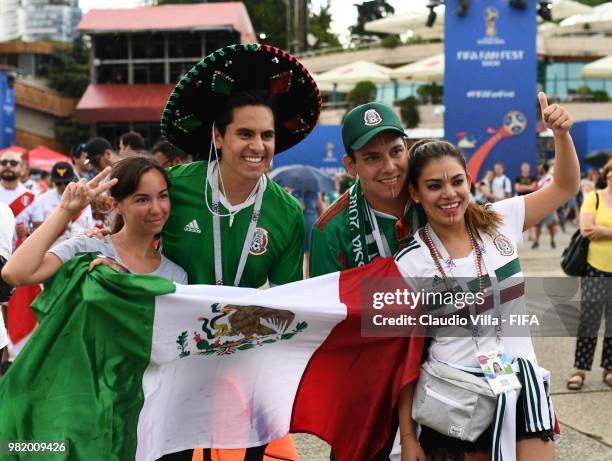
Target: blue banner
490 84
7 110
322 149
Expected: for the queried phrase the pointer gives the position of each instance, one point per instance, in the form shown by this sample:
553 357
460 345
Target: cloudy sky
344 12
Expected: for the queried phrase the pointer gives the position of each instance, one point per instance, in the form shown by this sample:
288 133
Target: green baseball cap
366 121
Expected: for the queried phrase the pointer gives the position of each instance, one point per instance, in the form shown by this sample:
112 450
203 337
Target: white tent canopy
600 18
600 69
359 71
429 69
325 87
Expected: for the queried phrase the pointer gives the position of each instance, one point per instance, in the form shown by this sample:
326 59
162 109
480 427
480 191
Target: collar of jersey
263 182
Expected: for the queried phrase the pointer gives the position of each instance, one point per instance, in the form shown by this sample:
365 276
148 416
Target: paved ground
585 416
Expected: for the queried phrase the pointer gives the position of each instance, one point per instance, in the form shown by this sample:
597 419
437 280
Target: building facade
49 19
133 68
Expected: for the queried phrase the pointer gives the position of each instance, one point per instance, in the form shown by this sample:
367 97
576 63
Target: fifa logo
491 15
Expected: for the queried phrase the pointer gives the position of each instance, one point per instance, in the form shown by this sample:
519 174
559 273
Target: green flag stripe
89 352
508 270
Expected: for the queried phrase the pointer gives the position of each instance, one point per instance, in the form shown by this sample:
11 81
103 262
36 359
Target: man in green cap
375 216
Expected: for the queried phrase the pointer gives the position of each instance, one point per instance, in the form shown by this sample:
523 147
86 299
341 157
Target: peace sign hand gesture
555 117
78 195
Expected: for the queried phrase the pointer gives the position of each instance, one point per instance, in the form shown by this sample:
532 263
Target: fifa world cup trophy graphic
491 15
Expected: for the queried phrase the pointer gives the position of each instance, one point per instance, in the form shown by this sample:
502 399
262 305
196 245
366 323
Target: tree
268 17
430 93
320 28
370 11
69 72
409 112
362 92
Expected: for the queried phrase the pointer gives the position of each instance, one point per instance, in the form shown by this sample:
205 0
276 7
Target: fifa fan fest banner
7 110
490 84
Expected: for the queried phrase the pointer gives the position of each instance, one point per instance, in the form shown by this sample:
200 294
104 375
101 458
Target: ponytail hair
477 217
128 171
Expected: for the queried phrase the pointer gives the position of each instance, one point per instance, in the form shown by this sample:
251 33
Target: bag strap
596 200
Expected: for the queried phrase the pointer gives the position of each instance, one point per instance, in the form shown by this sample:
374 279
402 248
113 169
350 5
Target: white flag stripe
249 392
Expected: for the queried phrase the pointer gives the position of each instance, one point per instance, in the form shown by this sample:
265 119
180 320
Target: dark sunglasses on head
9 162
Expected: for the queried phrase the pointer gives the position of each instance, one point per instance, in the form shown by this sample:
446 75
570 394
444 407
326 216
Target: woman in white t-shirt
138 188
475 248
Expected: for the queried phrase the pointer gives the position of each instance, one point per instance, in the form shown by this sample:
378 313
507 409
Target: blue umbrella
304 177
598 158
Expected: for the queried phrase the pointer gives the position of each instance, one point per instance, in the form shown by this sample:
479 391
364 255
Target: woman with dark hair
471 248
138 189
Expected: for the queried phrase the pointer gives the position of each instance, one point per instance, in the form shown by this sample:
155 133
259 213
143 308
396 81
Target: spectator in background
100 153
550 220
7 230
24 176
82 167
312 204
131 143
483 190
63 174
595 225
501 187
525 183
169 155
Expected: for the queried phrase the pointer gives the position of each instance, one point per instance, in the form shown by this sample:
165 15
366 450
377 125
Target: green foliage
267 16
601 96
362 92
431 93
391 41
584 89
409 112
70 132
320 27
69 72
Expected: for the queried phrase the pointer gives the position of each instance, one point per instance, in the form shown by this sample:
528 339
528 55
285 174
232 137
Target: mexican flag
133 367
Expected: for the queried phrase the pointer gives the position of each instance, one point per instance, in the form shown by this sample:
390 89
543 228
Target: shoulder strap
596 200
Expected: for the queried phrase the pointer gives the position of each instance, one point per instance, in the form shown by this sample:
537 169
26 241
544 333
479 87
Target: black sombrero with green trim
195 102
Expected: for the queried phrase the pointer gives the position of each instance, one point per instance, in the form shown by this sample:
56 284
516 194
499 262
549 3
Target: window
149 73
147 46
219 39
178 69
112 73
185 45
111 46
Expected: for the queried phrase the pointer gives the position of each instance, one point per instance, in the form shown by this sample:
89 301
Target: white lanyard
379 238
216 206
446 259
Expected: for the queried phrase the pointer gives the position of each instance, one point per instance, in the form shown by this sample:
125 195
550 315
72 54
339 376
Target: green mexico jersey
275 254
332 240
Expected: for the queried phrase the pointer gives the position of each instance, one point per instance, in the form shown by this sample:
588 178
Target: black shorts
435 443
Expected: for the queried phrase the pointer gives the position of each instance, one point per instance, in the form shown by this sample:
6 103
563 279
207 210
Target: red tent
17 149
43 158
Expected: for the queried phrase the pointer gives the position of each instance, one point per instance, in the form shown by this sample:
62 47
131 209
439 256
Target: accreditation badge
498 370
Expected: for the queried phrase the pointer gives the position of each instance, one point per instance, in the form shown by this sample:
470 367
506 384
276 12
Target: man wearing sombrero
230 224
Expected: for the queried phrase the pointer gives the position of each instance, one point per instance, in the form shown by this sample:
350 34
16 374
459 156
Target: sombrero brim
195 102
